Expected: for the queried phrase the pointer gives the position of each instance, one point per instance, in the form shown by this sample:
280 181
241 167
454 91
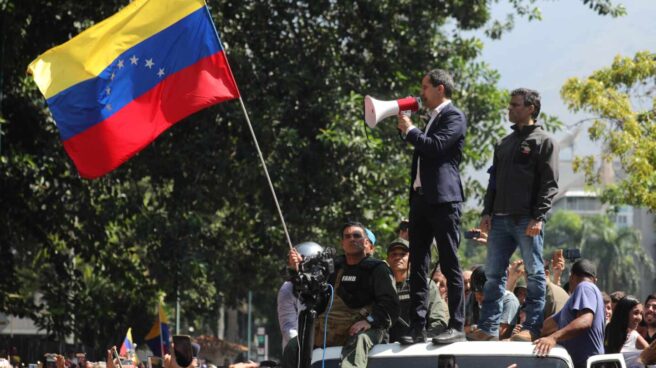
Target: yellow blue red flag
158 337
118 85
127 345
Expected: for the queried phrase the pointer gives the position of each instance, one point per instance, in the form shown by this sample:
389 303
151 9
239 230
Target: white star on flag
108 90
120 64
149 63
112 76
109 106
160 73
134 59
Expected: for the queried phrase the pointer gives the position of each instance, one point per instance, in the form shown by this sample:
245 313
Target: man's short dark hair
531 98
403 225
353 223
584 268
478 279
439 76
650 297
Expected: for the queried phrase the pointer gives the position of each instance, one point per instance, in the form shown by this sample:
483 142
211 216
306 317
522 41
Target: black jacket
440 149
370 282
524 174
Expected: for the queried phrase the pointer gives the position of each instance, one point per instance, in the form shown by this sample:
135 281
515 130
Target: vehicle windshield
452 361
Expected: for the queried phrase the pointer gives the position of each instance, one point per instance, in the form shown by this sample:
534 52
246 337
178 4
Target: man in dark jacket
364 306
525 172
435 197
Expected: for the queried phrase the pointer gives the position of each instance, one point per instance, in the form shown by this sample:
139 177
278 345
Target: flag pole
250 126
266 172
2 56
159 322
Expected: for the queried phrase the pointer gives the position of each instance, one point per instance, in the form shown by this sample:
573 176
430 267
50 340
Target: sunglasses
356 236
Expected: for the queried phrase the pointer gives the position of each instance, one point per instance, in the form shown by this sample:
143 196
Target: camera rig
311 286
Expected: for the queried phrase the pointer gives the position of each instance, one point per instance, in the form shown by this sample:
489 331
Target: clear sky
570 41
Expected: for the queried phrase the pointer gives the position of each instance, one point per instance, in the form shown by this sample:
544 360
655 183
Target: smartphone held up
184 353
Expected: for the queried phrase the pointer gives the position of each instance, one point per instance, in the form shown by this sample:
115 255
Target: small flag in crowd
127 345
118 85
158 337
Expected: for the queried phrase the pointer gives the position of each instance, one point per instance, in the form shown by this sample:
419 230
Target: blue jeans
508 233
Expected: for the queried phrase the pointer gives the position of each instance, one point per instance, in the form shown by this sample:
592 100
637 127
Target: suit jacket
440 149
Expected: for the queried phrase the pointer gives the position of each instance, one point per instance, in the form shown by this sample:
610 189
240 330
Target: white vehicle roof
469 348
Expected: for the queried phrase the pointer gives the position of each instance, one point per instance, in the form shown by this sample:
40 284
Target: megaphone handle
407 113
366 133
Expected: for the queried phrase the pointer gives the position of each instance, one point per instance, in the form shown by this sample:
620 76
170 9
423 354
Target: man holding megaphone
435 204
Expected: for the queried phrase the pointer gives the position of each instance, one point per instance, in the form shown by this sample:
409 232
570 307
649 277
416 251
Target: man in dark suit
435 199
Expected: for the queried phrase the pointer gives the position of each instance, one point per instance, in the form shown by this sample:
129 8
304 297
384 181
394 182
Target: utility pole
177 312
2 59
250 323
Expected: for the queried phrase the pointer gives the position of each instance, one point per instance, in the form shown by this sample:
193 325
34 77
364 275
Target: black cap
583 267
399 243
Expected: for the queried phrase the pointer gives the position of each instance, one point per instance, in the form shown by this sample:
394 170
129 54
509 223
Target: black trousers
442 223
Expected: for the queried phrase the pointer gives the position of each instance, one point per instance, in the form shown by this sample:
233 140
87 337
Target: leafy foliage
606 7
191 215
616 251
621 99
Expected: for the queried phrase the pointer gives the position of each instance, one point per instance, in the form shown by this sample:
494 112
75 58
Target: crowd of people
577 315
126 360
399 300
50 360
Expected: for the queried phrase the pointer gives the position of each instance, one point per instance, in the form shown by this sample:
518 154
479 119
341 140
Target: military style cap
399 243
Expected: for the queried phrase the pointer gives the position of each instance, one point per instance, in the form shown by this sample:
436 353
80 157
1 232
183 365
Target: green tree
621 99
191 215
616 251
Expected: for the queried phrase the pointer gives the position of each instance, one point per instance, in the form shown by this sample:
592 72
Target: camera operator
365 302
289 305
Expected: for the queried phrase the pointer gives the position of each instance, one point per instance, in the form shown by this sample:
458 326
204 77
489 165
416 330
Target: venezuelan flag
127 345
159 336
118 85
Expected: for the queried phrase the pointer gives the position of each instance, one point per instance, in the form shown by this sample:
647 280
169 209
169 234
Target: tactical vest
340 320
355 285
354 300
403 289
401 328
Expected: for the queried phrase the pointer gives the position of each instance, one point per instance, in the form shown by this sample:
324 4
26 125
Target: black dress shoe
415 337
435 331
449 336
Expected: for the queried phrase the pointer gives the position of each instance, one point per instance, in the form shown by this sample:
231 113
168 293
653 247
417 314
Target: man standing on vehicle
435 199
579 326
525 171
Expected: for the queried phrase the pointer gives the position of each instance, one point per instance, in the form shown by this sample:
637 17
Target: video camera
311 281
310 284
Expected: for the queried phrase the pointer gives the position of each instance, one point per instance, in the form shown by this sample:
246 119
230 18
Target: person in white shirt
621 334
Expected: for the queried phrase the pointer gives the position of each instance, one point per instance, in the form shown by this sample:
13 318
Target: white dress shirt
436 111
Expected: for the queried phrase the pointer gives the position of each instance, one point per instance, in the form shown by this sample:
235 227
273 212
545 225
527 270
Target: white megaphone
377 110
